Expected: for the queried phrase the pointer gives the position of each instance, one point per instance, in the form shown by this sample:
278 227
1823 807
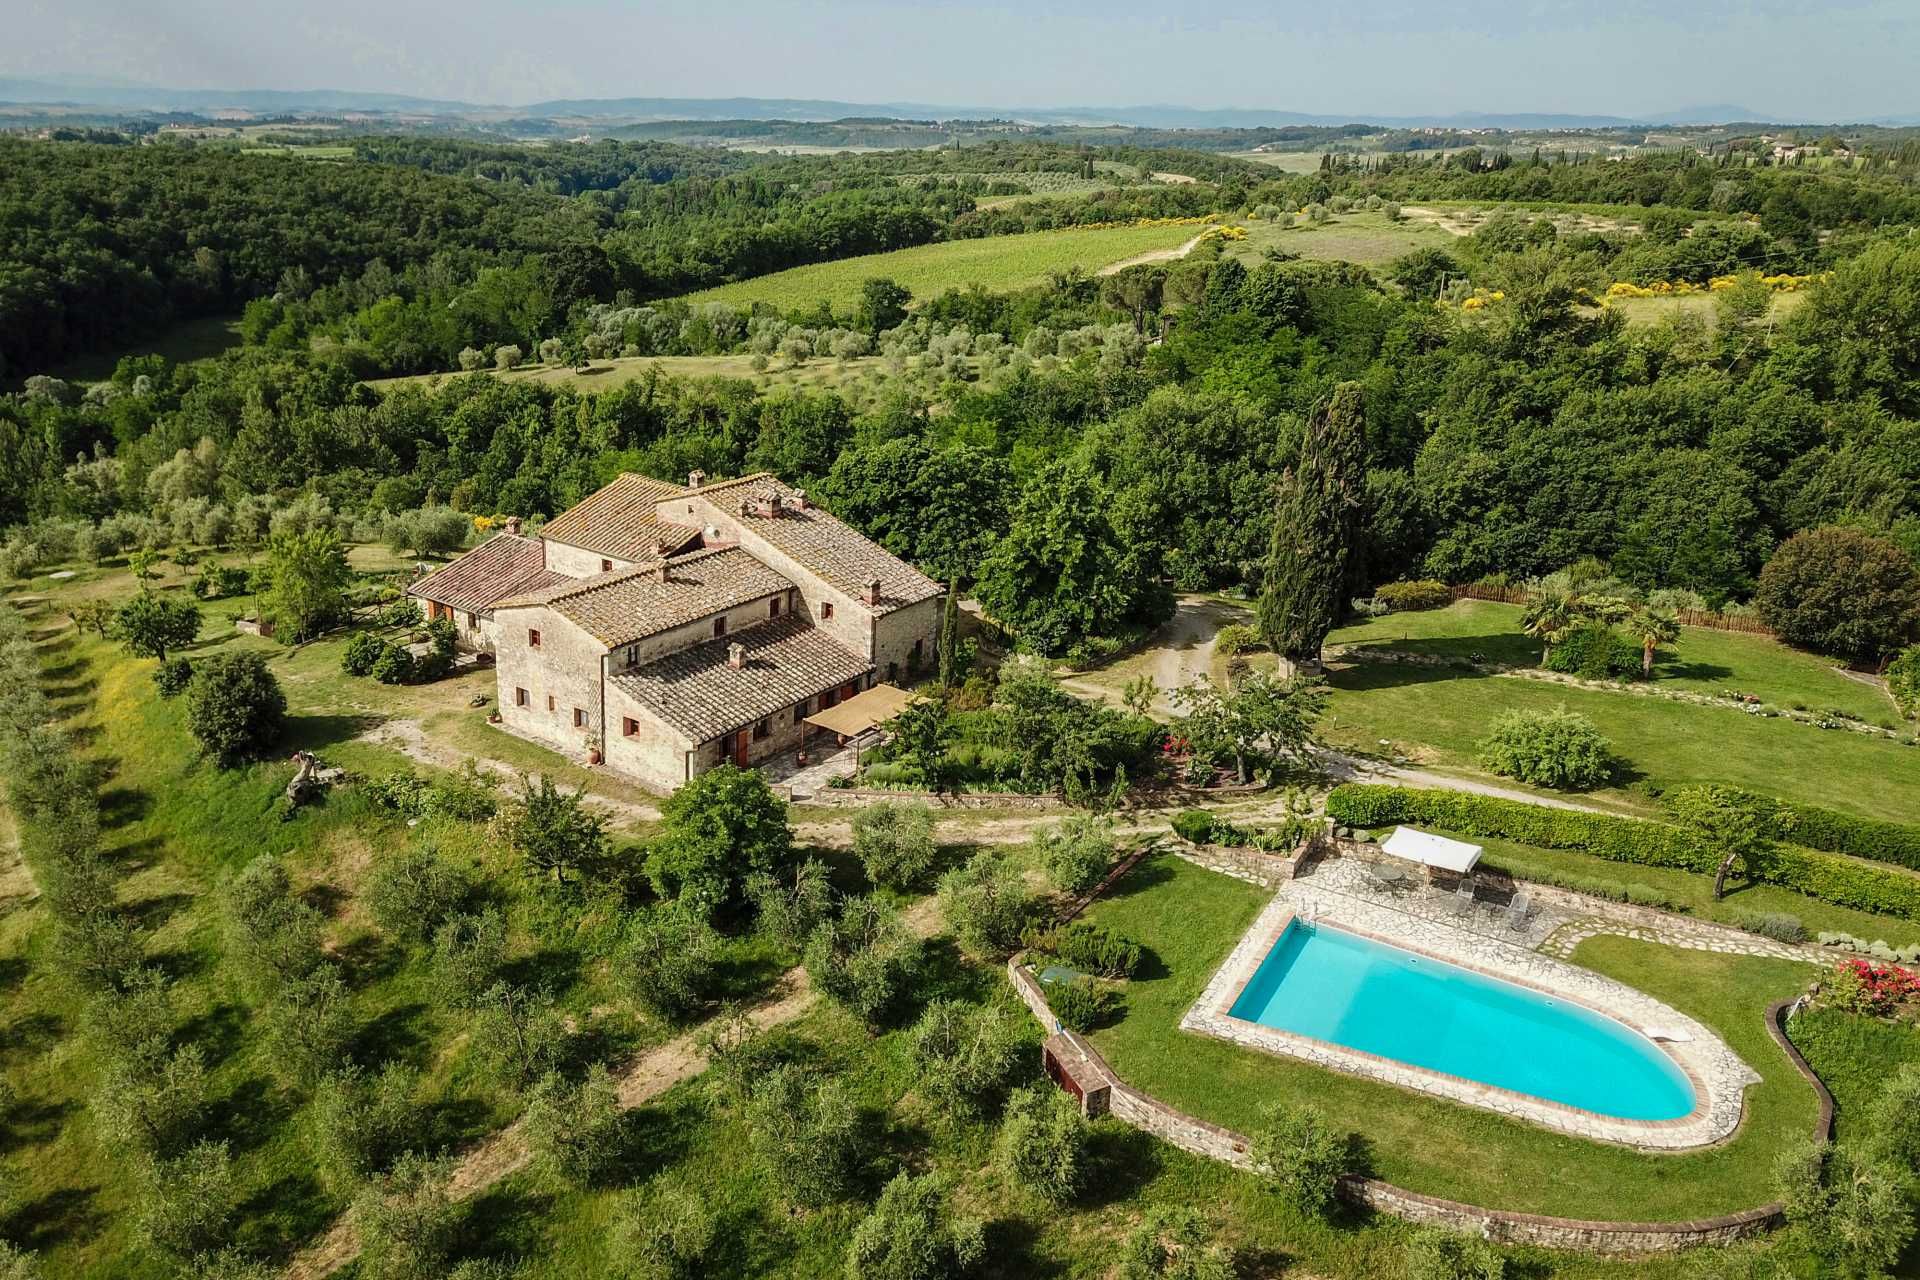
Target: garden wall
1103 1092
857 797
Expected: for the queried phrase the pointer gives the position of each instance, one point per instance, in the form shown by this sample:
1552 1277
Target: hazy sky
1807 59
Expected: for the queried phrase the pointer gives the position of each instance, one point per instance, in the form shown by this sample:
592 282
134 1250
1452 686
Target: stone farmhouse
667 628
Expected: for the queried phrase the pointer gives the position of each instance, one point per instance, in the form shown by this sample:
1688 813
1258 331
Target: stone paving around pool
1338 894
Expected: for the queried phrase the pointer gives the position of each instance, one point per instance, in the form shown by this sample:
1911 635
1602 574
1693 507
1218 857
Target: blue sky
1830 59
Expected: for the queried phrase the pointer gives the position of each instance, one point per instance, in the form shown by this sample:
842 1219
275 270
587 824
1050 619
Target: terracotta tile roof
619 520
843 557
630 604
701 694
502 566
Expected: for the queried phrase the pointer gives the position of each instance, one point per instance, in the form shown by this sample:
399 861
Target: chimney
767 507
872 593
513 525
799 499
736 655
695 479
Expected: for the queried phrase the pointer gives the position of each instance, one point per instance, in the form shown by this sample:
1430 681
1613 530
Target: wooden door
741 741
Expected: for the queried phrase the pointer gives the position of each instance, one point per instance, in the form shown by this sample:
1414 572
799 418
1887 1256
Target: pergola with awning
1436 853
861 714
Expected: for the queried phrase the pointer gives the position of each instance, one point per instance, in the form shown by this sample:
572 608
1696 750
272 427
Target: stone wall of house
895 635
655 753
1093 1077
566 668
577 562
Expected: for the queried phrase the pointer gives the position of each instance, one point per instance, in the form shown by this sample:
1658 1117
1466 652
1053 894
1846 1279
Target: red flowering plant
1877 989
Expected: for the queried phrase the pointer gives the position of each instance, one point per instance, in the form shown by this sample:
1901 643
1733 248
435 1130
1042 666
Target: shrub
1903 681
912 1234
1081 1004
1854 1213
1557 748
172 677
965 1053
188 1202
987 904
577 1131
1175 1243
468 954
1092 948
1434 1253
721 828
790 904
1840 590
1409 597
363 1123
1195 826
1894 1121
1235 639
1872 989
894 842
393 665
1076 852
235 708
18 1264
666 961
408 1222
413 892
1595 651
1043 1143
1299 1156
361 653
668 1232
1827 877
806 1131
865 957
1776 925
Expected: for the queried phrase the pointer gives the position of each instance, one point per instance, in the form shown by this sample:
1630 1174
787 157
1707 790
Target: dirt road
1152 255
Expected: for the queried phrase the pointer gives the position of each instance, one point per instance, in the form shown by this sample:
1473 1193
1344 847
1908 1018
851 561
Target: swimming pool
1340 988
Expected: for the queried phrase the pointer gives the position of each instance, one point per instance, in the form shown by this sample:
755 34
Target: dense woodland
1509 440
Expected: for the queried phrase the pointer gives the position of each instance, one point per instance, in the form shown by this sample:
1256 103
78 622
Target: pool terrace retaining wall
1102 1092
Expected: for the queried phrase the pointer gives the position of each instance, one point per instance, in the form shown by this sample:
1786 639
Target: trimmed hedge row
1827 876
1816 828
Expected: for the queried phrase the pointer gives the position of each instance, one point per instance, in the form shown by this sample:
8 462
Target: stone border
1717 1075
1079 1067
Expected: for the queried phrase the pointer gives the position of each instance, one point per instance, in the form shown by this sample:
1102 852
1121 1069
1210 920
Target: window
579 718
633 655
720 625
763 730
549 702
629 727
800 710
826 610
828 698
893 671
773 607
473 622
533 638
520 698
606 566
914 662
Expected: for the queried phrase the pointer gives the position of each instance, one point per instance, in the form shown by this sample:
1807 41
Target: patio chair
1519 911
1463 899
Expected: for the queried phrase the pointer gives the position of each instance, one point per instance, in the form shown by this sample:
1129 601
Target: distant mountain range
79 92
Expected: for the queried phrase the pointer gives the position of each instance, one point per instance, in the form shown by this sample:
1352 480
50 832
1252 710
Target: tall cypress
1316 520
949 632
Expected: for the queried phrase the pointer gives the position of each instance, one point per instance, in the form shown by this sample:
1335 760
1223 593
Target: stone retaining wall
1255 866
856 797
1095 1078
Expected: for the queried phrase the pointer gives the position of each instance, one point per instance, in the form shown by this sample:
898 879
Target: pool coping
1718 1076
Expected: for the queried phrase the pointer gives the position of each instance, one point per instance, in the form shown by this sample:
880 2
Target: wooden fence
1687 617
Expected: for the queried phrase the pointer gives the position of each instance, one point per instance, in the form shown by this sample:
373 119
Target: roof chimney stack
513 525
799 499
872 594
695 479
736 655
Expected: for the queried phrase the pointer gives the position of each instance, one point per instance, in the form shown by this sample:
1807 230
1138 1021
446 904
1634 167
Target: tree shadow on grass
181 963
250 1116
65 1216
556 969
1691 671
1011 1245
1361 677
1121 1162
502 1225
122 805
395 1033
31 1124
31 1035
153 913
219 1032
284 1214
1151 872
315 733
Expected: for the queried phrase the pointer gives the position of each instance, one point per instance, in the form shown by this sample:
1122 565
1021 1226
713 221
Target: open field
1191 918
179 343
1652 311
1366 238
994 263
601 375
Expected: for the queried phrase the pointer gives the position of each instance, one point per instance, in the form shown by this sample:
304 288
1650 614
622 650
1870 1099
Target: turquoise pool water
1348 990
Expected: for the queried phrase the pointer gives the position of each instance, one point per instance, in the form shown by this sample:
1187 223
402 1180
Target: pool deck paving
1339 893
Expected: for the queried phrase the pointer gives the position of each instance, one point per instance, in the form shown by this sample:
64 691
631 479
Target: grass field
1366 238
1643 312
1191 918
820 372
187 340
996 263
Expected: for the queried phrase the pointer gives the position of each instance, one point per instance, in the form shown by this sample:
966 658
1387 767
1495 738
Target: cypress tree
1315 525
949 632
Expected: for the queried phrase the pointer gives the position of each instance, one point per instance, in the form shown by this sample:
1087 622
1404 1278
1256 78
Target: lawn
821 373
997 263
1651 311
1191 918
1366 238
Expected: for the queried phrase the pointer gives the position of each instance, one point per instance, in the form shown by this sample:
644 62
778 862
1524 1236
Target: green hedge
1816 828
1826 876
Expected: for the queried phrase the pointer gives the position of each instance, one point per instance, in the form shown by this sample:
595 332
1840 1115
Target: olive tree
806 1131
912 1233
894 842
1043 1143
666 961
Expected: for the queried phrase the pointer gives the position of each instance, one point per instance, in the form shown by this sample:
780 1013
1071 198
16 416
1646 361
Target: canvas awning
1430 850
862 711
